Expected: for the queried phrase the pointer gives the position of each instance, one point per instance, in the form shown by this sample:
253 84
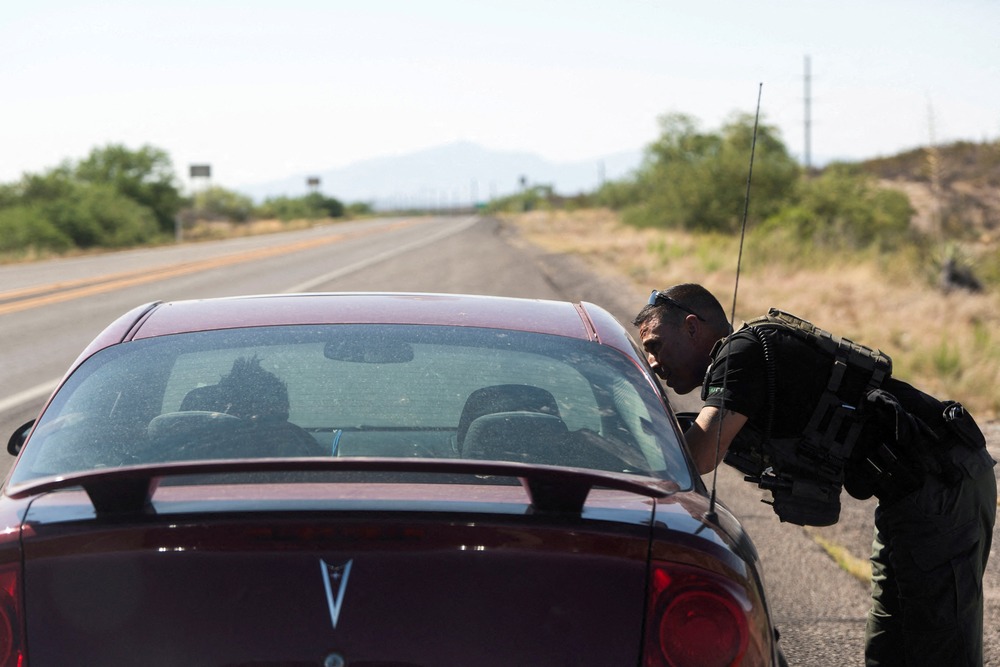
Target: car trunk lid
365 574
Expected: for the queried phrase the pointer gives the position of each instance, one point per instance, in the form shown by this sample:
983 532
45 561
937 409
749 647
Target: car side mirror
17 439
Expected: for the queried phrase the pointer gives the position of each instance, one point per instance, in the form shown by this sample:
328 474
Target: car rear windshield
358 390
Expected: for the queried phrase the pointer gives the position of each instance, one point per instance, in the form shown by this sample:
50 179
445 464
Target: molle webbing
834 425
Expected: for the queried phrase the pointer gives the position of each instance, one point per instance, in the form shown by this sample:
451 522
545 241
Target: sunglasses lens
658 296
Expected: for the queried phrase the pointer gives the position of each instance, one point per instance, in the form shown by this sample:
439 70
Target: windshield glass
357 390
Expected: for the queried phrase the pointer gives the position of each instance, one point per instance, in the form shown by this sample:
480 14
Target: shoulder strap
871 360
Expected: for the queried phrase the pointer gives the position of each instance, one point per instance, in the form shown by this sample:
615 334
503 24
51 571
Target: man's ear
692 325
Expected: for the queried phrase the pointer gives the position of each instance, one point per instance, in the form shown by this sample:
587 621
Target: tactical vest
805 473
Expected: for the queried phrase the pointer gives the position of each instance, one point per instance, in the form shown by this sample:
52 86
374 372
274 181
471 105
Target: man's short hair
676 302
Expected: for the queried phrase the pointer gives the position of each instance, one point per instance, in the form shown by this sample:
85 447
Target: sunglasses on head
658 297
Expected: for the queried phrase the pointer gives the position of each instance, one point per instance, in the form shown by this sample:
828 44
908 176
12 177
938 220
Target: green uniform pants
928 558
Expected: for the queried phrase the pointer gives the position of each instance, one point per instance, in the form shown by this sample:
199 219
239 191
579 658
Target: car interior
305 399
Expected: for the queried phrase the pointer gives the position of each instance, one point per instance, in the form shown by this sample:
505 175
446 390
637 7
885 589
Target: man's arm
703 436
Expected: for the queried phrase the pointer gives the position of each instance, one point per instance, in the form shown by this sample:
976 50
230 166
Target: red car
368 480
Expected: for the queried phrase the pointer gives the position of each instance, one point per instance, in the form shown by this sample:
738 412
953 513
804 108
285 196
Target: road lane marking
33 394
375 259
26 299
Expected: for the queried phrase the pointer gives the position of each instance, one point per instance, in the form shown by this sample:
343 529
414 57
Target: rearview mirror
369 346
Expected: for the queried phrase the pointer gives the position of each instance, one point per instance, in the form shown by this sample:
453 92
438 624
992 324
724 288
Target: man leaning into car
934 480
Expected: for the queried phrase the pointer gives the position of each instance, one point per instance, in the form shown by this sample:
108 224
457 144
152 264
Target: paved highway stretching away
50 310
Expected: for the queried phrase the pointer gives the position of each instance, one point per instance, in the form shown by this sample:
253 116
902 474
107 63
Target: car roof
365 308
583 320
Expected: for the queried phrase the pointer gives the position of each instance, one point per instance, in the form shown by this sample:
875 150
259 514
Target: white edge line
375 259
17 400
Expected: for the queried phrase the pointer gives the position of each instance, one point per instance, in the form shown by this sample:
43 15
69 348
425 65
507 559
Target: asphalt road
50 310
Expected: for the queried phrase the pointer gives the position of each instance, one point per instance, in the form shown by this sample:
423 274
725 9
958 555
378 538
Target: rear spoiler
550 489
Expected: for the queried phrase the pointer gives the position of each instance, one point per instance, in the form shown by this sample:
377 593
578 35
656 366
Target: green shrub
217 203
843 209
26 227
103 217
57 213
113 198
696 181
145 176
309 207
360 209
618 195
535 198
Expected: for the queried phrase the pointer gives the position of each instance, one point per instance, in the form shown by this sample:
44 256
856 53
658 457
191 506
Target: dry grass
860 569
945 344
208 230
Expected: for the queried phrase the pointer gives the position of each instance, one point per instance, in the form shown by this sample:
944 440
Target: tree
217 203
326 206
146 176
696 180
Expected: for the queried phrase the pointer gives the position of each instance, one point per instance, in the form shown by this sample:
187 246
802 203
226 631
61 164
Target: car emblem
335 578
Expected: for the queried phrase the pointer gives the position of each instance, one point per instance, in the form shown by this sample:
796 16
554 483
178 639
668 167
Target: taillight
696 618
11 644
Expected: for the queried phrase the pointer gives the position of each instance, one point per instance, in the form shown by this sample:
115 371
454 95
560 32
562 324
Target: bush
618 195
310 207
538 197
113 198
360 209
844 209
697 181
98 215
327 207
216 203
57 212
145 176
26 227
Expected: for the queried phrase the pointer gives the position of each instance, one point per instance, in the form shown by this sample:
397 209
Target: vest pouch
807 503
801 492
962 426
745 453
861 478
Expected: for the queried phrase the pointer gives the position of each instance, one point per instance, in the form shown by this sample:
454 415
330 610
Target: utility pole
807 155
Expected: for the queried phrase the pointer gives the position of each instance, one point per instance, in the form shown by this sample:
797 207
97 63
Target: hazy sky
265 90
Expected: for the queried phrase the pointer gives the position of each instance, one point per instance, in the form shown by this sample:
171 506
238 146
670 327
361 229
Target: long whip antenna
732 313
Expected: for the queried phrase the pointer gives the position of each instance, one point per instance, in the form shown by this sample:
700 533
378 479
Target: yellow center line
11 295
68 290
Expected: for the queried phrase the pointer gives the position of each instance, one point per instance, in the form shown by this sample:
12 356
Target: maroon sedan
368 480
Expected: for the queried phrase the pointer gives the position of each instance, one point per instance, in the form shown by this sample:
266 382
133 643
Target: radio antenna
711 516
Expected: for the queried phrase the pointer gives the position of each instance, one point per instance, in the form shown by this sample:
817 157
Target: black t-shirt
800 377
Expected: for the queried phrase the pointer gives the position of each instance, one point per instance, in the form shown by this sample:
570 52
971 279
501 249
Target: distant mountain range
455 174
